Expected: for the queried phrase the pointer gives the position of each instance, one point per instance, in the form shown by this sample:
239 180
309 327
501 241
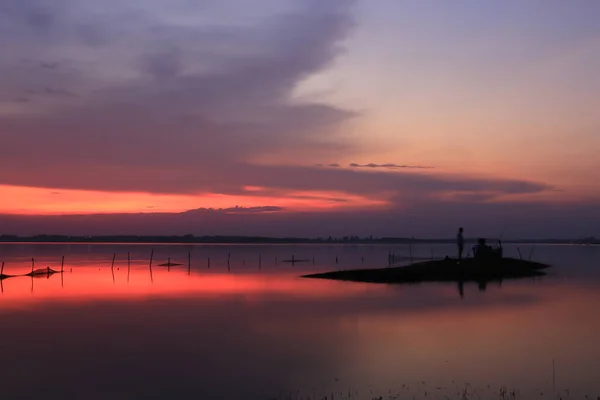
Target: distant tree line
257 239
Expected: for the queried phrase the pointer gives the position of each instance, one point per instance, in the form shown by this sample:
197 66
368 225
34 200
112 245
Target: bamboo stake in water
208 263
128 266
169 264
32 266
62 264
2 270
113 261
151 256
531 253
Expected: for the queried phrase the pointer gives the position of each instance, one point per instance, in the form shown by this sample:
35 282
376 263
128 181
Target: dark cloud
57 92
252 210
388 165
47 65
426 219
139 103
237 210
214 97
229 179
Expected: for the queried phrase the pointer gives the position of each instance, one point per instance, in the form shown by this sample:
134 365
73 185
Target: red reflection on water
96 282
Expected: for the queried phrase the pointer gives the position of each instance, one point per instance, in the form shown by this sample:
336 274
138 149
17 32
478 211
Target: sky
300 118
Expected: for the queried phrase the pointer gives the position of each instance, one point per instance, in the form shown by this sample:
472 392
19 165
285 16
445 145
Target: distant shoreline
190 239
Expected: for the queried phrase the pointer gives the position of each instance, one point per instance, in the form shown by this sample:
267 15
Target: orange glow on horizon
47 201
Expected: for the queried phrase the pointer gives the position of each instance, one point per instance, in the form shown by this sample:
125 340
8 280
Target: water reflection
96 281
256 331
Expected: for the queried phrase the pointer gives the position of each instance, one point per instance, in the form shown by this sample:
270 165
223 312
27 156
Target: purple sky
340 117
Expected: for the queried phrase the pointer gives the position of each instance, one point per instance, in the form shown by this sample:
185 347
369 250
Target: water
254 330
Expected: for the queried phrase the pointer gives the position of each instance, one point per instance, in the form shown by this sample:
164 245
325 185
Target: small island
445 270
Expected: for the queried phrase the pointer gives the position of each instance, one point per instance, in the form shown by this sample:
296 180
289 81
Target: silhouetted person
460 242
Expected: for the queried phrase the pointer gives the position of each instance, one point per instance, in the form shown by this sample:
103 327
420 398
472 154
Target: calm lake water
255 330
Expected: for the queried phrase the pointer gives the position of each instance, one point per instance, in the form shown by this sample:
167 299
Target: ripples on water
251 329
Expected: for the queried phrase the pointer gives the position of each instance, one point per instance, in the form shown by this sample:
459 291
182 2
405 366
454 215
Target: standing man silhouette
460 243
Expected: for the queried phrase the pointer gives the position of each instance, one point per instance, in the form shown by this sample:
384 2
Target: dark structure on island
487 265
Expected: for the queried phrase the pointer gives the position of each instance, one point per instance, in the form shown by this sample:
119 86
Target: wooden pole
228 259
169 264
32 266
2 270
151 257
113 261
519 251
208 263
62 264
128 266
531 253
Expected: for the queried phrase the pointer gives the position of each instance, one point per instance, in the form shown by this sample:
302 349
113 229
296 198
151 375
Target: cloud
57 92
237 210
138 102
427 219
388 165
165 98
49 65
